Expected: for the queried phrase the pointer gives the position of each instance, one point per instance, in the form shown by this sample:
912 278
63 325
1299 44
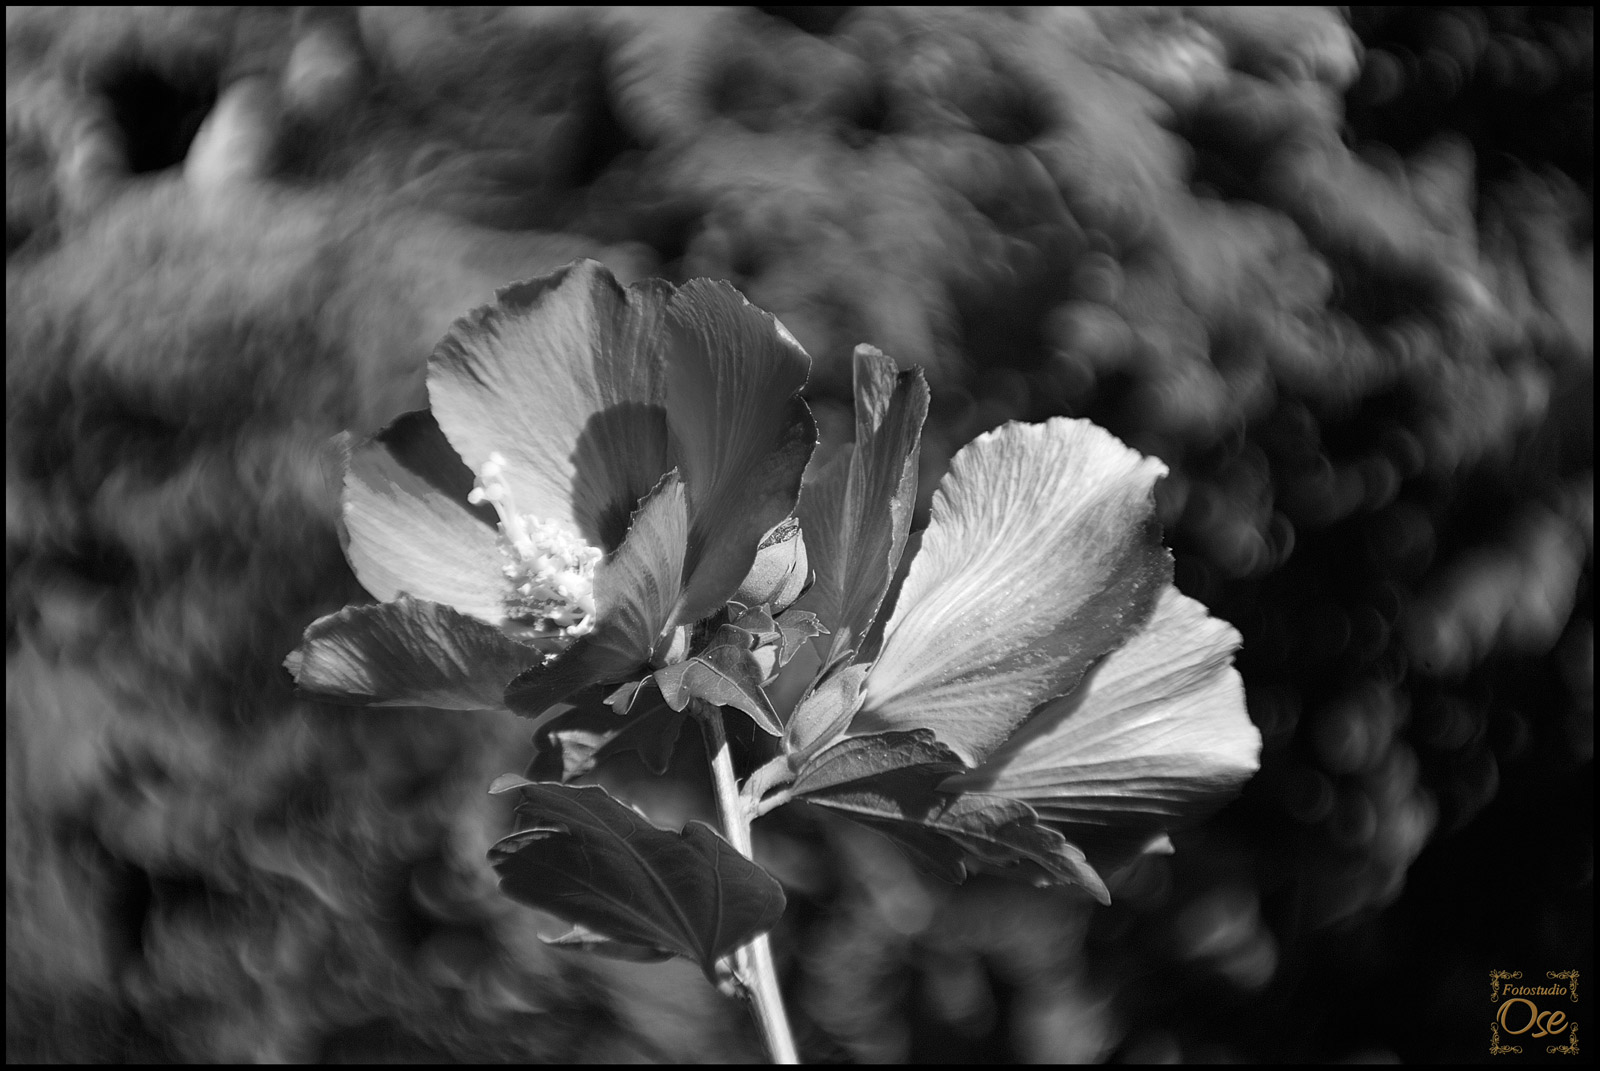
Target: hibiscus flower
1039 691
599 468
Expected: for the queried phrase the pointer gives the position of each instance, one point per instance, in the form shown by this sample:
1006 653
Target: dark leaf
931 853
574 743
997 831
408 653
1024 838
725 674
591 860
860 757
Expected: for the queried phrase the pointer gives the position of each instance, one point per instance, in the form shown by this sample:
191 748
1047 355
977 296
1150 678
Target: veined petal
408 527
860 528
408 653
1042 555
635 591
742 434
1157 732
561 375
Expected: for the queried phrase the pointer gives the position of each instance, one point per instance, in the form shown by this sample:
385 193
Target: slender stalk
753 962
771 803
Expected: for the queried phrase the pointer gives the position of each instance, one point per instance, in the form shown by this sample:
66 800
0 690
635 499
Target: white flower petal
1157 732
408 527
562 376
1043 554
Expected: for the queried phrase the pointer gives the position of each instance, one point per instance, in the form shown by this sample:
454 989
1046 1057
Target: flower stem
753 962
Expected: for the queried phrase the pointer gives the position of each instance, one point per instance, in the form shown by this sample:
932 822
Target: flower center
550 567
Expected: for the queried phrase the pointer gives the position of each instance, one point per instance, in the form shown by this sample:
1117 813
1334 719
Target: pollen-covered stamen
550 567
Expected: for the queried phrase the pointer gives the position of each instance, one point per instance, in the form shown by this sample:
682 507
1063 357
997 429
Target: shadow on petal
561 375
1043 554
615 466
407 526
1156 734
741 432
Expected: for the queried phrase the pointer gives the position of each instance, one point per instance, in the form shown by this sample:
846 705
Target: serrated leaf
574 743
932 854
997 831
408 653
860 757
592 860
725 674
796 628
1026 838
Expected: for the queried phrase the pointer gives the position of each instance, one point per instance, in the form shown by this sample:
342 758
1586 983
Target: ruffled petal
635 591
562 376
408 653
859 516
1042 555
742 433
407 525
1156 733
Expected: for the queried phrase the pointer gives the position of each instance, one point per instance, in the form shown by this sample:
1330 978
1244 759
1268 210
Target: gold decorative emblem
1570 1048
1495 978
1517 1006
1495 1048
1570 977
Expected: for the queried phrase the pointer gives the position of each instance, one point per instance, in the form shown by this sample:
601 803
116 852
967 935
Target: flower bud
780 571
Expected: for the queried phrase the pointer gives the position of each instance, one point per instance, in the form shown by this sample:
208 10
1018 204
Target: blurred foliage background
1335 269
